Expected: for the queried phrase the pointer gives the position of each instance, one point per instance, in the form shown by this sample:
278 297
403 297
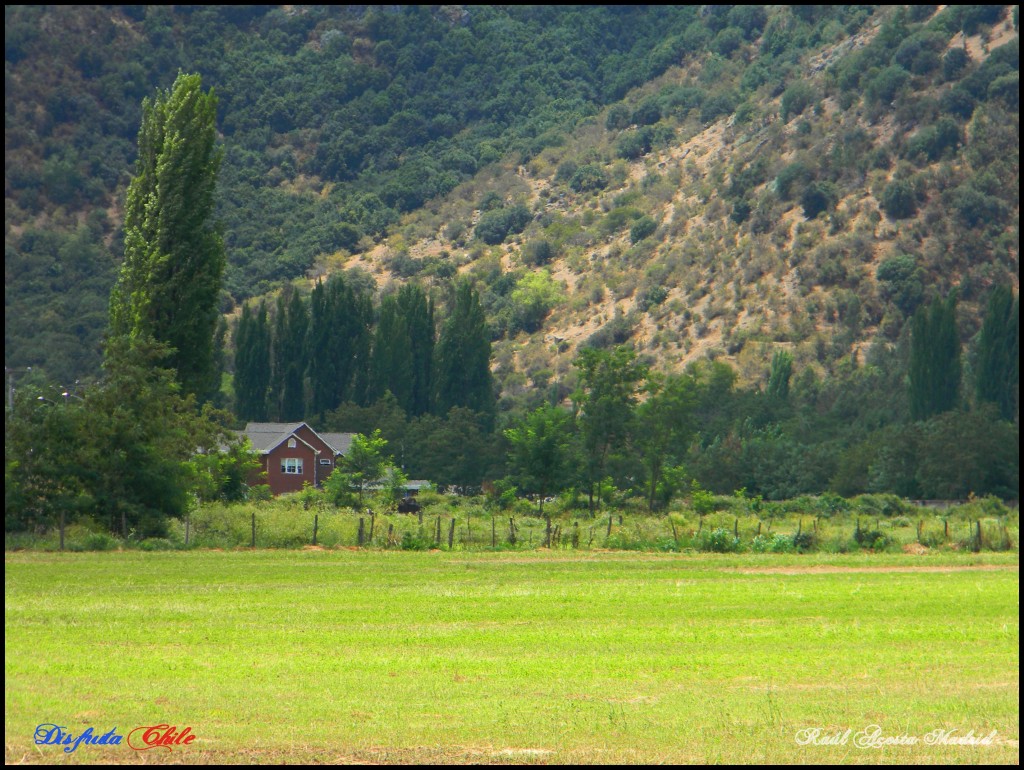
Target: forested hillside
808 211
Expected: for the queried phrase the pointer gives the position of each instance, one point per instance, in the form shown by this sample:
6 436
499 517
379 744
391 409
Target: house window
291 465
291 443
325 462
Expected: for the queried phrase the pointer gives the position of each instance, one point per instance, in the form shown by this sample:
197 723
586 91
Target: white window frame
291 466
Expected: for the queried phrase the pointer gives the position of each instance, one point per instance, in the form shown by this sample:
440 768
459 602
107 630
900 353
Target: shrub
415 542
719 540
641 229
899 200
777 543
588 178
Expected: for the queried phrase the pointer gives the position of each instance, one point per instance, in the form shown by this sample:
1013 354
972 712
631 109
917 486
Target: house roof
264 436
339 442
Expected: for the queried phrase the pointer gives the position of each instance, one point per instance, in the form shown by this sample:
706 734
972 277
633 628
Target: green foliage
781 371
495 226
818 197
540 451
902 282
463 356
169 284
935 360
899 199
588 178
718 541
126 454
997 373
642 228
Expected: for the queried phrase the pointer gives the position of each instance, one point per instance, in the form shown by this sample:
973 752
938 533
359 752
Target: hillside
710 182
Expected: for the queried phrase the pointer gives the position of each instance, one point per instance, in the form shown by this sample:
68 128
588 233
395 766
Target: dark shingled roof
264 436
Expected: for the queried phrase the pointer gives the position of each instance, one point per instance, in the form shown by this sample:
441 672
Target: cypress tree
169 285
998 370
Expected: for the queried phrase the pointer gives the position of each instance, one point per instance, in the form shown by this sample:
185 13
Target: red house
292 453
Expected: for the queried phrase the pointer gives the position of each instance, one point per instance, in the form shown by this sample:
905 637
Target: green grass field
388 656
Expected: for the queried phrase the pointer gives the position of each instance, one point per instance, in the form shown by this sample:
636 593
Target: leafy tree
961 453
130 453
540 451
364 462
997 377
169 285
665 426
607 395
934 360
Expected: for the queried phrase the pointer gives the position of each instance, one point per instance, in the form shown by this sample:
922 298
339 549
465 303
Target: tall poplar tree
252 364
418 312
934 360
392 355
462 365
998 370
170 281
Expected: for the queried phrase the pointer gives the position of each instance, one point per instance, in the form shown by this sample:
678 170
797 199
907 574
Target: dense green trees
129 453
935 368
252 364
462 367
169 285
997 378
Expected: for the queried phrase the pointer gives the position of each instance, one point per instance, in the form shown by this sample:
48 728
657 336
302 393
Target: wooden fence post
547 531
437 532
254 529
359 537
451 534
62 529
494 535
316 524
188 518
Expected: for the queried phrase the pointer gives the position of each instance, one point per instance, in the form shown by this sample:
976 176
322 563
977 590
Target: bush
719 540
588 178
777 543
899 200
415 542
641 229
495 226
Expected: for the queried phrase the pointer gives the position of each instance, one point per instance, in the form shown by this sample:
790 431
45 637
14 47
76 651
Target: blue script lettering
57 735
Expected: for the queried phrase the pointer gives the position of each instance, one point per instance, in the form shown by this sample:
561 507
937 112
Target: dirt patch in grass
825 568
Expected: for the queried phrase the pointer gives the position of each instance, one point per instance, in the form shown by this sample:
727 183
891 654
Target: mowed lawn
375 656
